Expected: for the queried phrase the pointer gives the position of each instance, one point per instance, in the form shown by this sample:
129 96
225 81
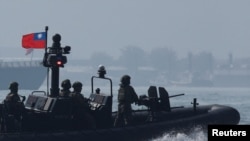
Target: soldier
78 98
14 107
65 91
13 95
126 96
81 110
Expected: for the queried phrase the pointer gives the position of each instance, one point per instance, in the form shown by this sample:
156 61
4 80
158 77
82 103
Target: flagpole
31 56
46 32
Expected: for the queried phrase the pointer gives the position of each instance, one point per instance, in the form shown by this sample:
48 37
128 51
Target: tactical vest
127 95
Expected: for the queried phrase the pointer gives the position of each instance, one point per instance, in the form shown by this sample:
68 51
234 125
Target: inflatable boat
45 123
49 117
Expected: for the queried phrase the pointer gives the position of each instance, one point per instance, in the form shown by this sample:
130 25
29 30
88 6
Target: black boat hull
178 120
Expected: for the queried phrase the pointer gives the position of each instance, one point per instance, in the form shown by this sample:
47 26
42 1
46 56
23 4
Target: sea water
235 97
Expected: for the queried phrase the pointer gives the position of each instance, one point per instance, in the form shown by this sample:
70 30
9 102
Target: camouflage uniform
81 111
126 96
13 95
14 108
78 99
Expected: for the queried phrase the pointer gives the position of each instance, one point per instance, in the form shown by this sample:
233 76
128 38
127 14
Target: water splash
195 135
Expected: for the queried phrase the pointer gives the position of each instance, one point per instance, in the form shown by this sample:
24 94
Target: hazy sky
217 26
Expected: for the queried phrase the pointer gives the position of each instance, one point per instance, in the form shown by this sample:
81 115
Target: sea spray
196 134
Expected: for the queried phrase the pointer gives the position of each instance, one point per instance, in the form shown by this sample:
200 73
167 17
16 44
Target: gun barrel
175 95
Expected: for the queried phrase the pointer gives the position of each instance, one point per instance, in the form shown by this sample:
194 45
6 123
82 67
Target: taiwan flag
34 40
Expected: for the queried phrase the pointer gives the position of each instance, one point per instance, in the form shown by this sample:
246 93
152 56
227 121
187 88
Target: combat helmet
77 84
13 86
66 84
125 79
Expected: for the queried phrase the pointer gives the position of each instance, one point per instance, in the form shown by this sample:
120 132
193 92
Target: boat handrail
32 93
92 84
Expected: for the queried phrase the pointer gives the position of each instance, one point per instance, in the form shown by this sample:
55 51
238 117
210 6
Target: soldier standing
126 96
14 108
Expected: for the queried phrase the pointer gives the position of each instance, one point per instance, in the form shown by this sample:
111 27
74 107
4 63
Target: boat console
43 104
100 102
101 108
